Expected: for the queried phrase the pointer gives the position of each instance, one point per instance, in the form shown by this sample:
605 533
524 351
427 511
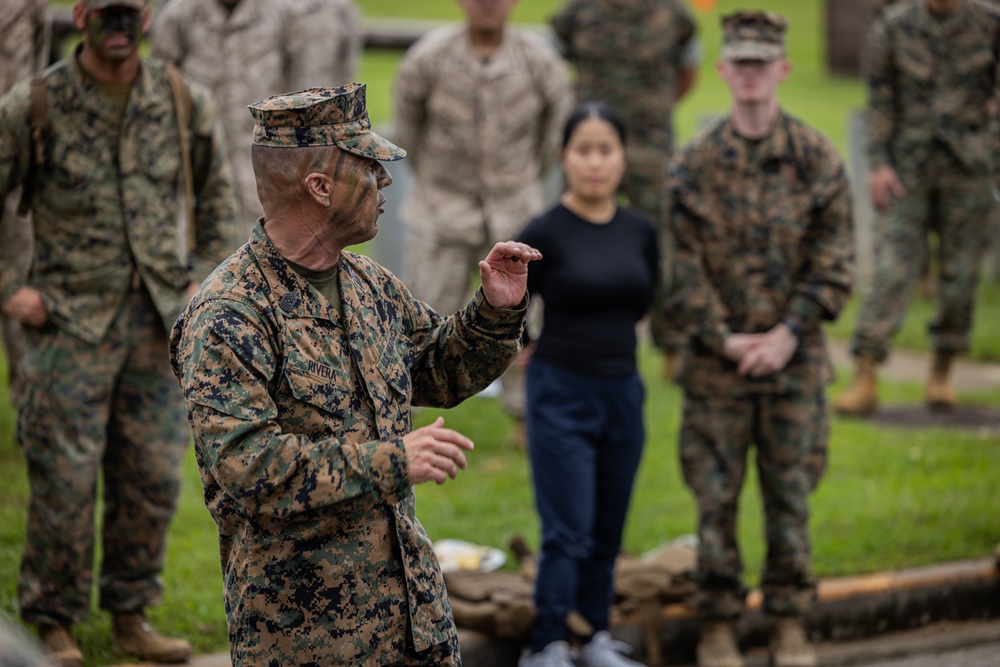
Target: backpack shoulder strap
184 110
38 122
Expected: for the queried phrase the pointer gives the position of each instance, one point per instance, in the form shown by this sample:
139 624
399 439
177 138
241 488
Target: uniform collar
142 95
294 296
778 145
951 24
502 59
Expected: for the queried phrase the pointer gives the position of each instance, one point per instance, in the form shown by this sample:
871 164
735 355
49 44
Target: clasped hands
763 354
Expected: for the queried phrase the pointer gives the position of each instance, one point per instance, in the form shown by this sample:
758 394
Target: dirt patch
963 416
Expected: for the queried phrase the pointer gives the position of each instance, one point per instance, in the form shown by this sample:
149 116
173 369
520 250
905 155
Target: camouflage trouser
643 184
441 275
114 407
791 433
16 241
957 207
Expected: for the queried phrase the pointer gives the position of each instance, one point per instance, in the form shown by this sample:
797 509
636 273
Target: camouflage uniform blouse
108 204
759 240
24 40
629 53
480 133
262 48
931 81
298 414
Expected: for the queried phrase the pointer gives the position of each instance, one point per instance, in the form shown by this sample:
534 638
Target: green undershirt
324 281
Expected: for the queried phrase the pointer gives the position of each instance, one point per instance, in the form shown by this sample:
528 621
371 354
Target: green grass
892 497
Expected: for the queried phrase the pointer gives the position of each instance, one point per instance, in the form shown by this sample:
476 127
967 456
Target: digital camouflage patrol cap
753 36
321 117
94 5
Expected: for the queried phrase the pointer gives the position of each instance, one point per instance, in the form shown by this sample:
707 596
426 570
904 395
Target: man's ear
319 187
80 15
147 19
786 68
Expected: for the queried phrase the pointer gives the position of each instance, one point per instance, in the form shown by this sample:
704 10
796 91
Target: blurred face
753 81
593 160
113 32
488 15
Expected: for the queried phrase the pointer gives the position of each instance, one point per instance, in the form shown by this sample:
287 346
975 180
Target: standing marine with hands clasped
300 362
760 213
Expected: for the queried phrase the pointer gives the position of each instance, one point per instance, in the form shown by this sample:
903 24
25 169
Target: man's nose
383 178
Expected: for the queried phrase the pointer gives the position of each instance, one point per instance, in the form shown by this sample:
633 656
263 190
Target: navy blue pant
585 437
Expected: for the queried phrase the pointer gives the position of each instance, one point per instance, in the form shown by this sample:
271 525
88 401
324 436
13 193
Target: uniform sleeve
456 357
558 94
168 37
223 355
562 27
43 34
411 92
692 303
323 43
15 157
879 77
215 198
352 41
825 282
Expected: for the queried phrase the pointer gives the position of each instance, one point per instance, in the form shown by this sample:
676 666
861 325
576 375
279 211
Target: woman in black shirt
584 396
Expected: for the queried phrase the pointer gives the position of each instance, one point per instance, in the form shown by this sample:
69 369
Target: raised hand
504 273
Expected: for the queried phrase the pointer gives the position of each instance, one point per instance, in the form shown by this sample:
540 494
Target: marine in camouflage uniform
24 48
299 362
640 56
764 253
108 279
932 82
246 50
482 131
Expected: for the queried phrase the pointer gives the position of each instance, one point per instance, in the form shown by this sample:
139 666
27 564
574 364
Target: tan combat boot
861 398
789 645
60 647
133 634
717 646
940 392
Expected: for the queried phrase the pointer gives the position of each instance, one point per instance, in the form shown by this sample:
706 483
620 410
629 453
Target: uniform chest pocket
322 387
394 365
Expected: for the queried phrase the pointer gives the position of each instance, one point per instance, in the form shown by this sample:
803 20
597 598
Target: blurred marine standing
641 57
479 108
760 213
105 143
247 50
24 48
931 70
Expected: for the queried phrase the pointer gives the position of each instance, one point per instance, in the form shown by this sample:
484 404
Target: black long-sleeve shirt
596 282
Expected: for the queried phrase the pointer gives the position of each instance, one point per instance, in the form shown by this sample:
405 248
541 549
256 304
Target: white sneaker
603 651
556 654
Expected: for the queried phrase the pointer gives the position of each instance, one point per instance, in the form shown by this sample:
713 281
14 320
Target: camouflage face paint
111 22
